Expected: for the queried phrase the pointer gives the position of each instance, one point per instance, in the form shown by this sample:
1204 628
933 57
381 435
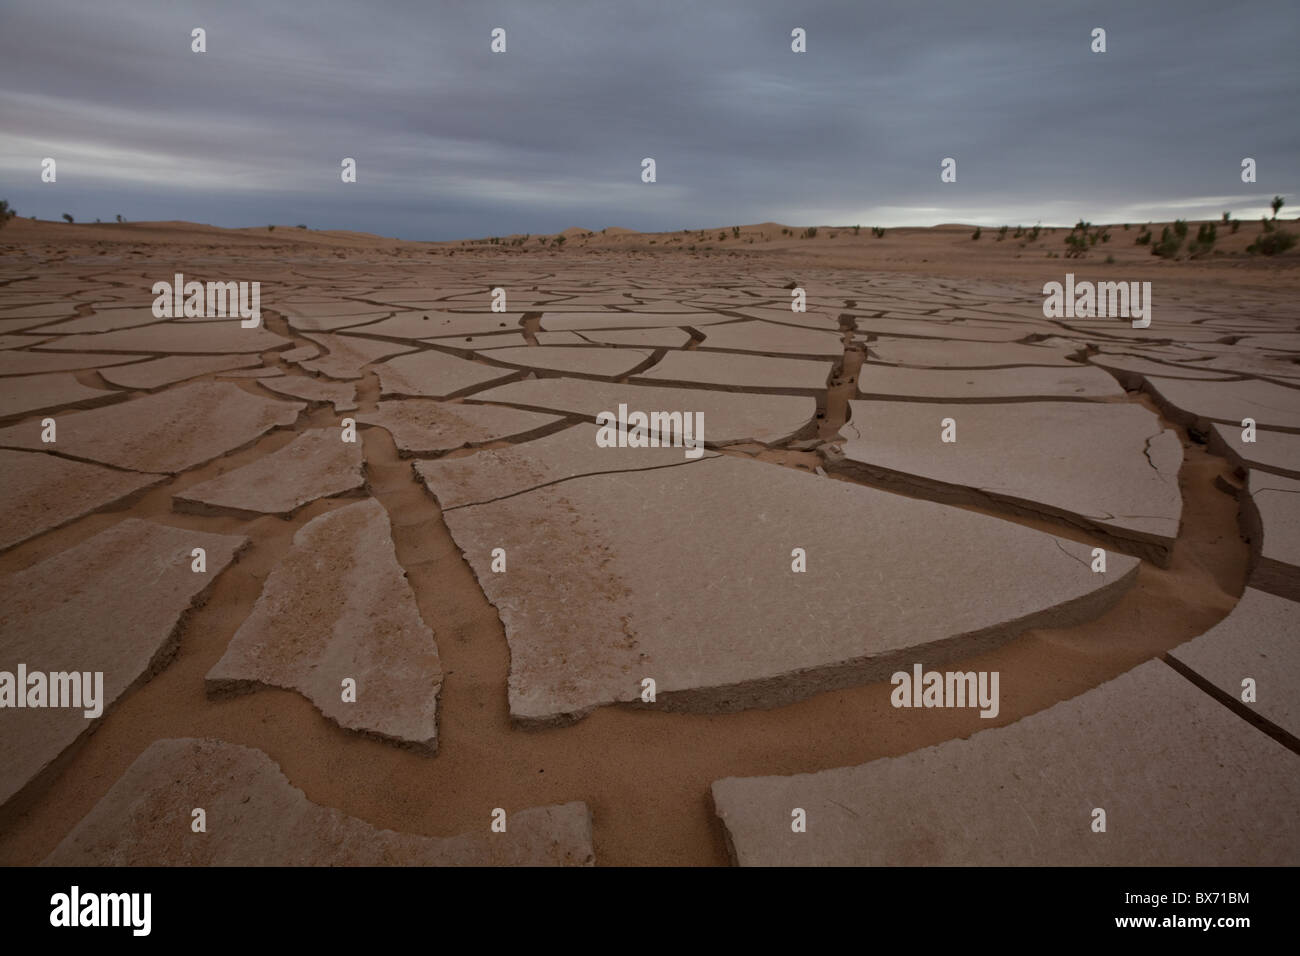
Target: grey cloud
454 141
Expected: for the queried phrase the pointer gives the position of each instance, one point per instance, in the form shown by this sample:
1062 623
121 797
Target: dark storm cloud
452 140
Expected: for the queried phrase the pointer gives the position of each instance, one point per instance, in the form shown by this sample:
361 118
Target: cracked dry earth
375 562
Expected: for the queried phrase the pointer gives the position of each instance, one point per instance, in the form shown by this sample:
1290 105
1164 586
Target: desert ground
431 645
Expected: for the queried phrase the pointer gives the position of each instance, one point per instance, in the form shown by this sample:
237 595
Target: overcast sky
452 140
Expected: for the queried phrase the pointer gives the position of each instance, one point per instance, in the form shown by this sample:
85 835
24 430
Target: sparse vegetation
1226 216
1171 240
810 232
6 213
856 230
67 217
976 233
1204 242
119 218
301 226
735 232
1272 243
1083 237
878 232
1236 224
1143 237
1002 233
1276 205
270 228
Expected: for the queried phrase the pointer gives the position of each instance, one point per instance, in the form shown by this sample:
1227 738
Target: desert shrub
1002 233
856 230
976 233
1083 236
5 212
1180 228
810 232
1205 238
878 232
1226 217
68 217
1236 224
1272 244
1143 238
1276 205
1169 244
